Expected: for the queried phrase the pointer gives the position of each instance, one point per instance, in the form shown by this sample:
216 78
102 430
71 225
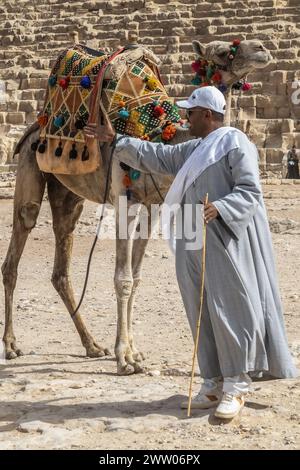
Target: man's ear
209 113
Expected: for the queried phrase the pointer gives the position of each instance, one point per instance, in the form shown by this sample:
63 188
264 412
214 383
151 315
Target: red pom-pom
236 42
246 86
126 181
216 77
64 82
196 66
158 111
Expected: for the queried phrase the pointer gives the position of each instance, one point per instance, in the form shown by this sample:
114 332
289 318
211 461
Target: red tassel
236 42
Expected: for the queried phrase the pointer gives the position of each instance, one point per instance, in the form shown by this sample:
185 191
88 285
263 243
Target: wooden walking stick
200 313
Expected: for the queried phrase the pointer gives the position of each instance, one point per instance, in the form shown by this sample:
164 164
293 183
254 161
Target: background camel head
250 55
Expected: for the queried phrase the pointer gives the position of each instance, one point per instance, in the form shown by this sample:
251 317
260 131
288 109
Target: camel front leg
138 253
126 364
66 209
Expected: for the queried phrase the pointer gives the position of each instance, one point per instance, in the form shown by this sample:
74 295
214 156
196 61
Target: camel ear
198 48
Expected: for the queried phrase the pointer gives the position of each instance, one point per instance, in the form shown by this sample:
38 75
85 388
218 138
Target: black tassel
73 152
42 147
59 150
34 145
124 166
79 124
85 154
128 194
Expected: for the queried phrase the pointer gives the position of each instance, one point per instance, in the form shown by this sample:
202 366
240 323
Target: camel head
233 61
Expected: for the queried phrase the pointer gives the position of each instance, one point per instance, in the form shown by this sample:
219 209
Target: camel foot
125 370
94 350
11 350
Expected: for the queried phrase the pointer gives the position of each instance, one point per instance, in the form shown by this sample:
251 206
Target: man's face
200 120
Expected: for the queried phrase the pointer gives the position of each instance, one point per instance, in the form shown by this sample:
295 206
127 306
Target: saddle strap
93 117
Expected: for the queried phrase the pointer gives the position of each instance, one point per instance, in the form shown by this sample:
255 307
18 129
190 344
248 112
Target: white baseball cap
208 97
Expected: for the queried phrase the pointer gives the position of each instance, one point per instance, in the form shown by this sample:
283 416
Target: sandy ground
55 398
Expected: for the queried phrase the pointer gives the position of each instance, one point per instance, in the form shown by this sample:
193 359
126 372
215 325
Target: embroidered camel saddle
85 83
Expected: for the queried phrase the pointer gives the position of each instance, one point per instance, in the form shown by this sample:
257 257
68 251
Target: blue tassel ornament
85 82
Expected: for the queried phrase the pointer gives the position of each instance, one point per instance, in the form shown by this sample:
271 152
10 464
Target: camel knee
9 275
60 282
123 288
136 283
28 214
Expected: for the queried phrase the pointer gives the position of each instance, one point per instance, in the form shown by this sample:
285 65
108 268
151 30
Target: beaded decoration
137 103
210 73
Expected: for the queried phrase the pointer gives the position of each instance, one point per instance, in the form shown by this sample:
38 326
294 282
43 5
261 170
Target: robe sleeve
153 157
238 207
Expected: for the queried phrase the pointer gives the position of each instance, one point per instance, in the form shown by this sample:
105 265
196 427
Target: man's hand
210 212
103 133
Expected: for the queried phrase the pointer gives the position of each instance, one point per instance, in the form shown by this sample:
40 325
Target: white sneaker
202 401
230 406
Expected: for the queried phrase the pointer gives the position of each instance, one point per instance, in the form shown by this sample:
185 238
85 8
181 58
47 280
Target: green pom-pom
196 80
52 80
209 72
134 174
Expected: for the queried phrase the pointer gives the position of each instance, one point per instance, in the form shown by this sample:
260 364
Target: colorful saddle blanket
130 91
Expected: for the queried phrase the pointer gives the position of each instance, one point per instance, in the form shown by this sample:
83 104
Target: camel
66 196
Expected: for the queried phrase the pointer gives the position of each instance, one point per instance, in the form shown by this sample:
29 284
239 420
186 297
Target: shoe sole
227 415
199 406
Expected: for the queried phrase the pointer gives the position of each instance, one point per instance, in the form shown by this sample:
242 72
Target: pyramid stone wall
33 32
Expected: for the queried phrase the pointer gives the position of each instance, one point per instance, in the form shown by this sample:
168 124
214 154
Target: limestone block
287 140
295 112
284 112
28 106
15 118
12 106
247 101
258 138
28 95
259 113
248 113
281 89
279 101
288 125
273 141
270 112
278 76
274 155
263 101
11 85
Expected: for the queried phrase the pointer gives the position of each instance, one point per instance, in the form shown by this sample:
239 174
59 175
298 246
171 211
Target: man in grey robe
242 328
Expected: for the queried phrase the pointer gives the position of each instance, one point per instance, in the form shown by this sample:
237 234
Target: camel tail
32 128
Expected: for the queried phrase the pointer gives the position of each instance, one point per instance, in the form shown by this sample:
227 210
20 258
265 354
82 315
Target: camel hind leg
66 209
30 187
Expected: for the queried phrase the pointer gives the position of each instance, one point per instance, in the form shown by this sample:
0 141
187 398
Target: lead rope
113 145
